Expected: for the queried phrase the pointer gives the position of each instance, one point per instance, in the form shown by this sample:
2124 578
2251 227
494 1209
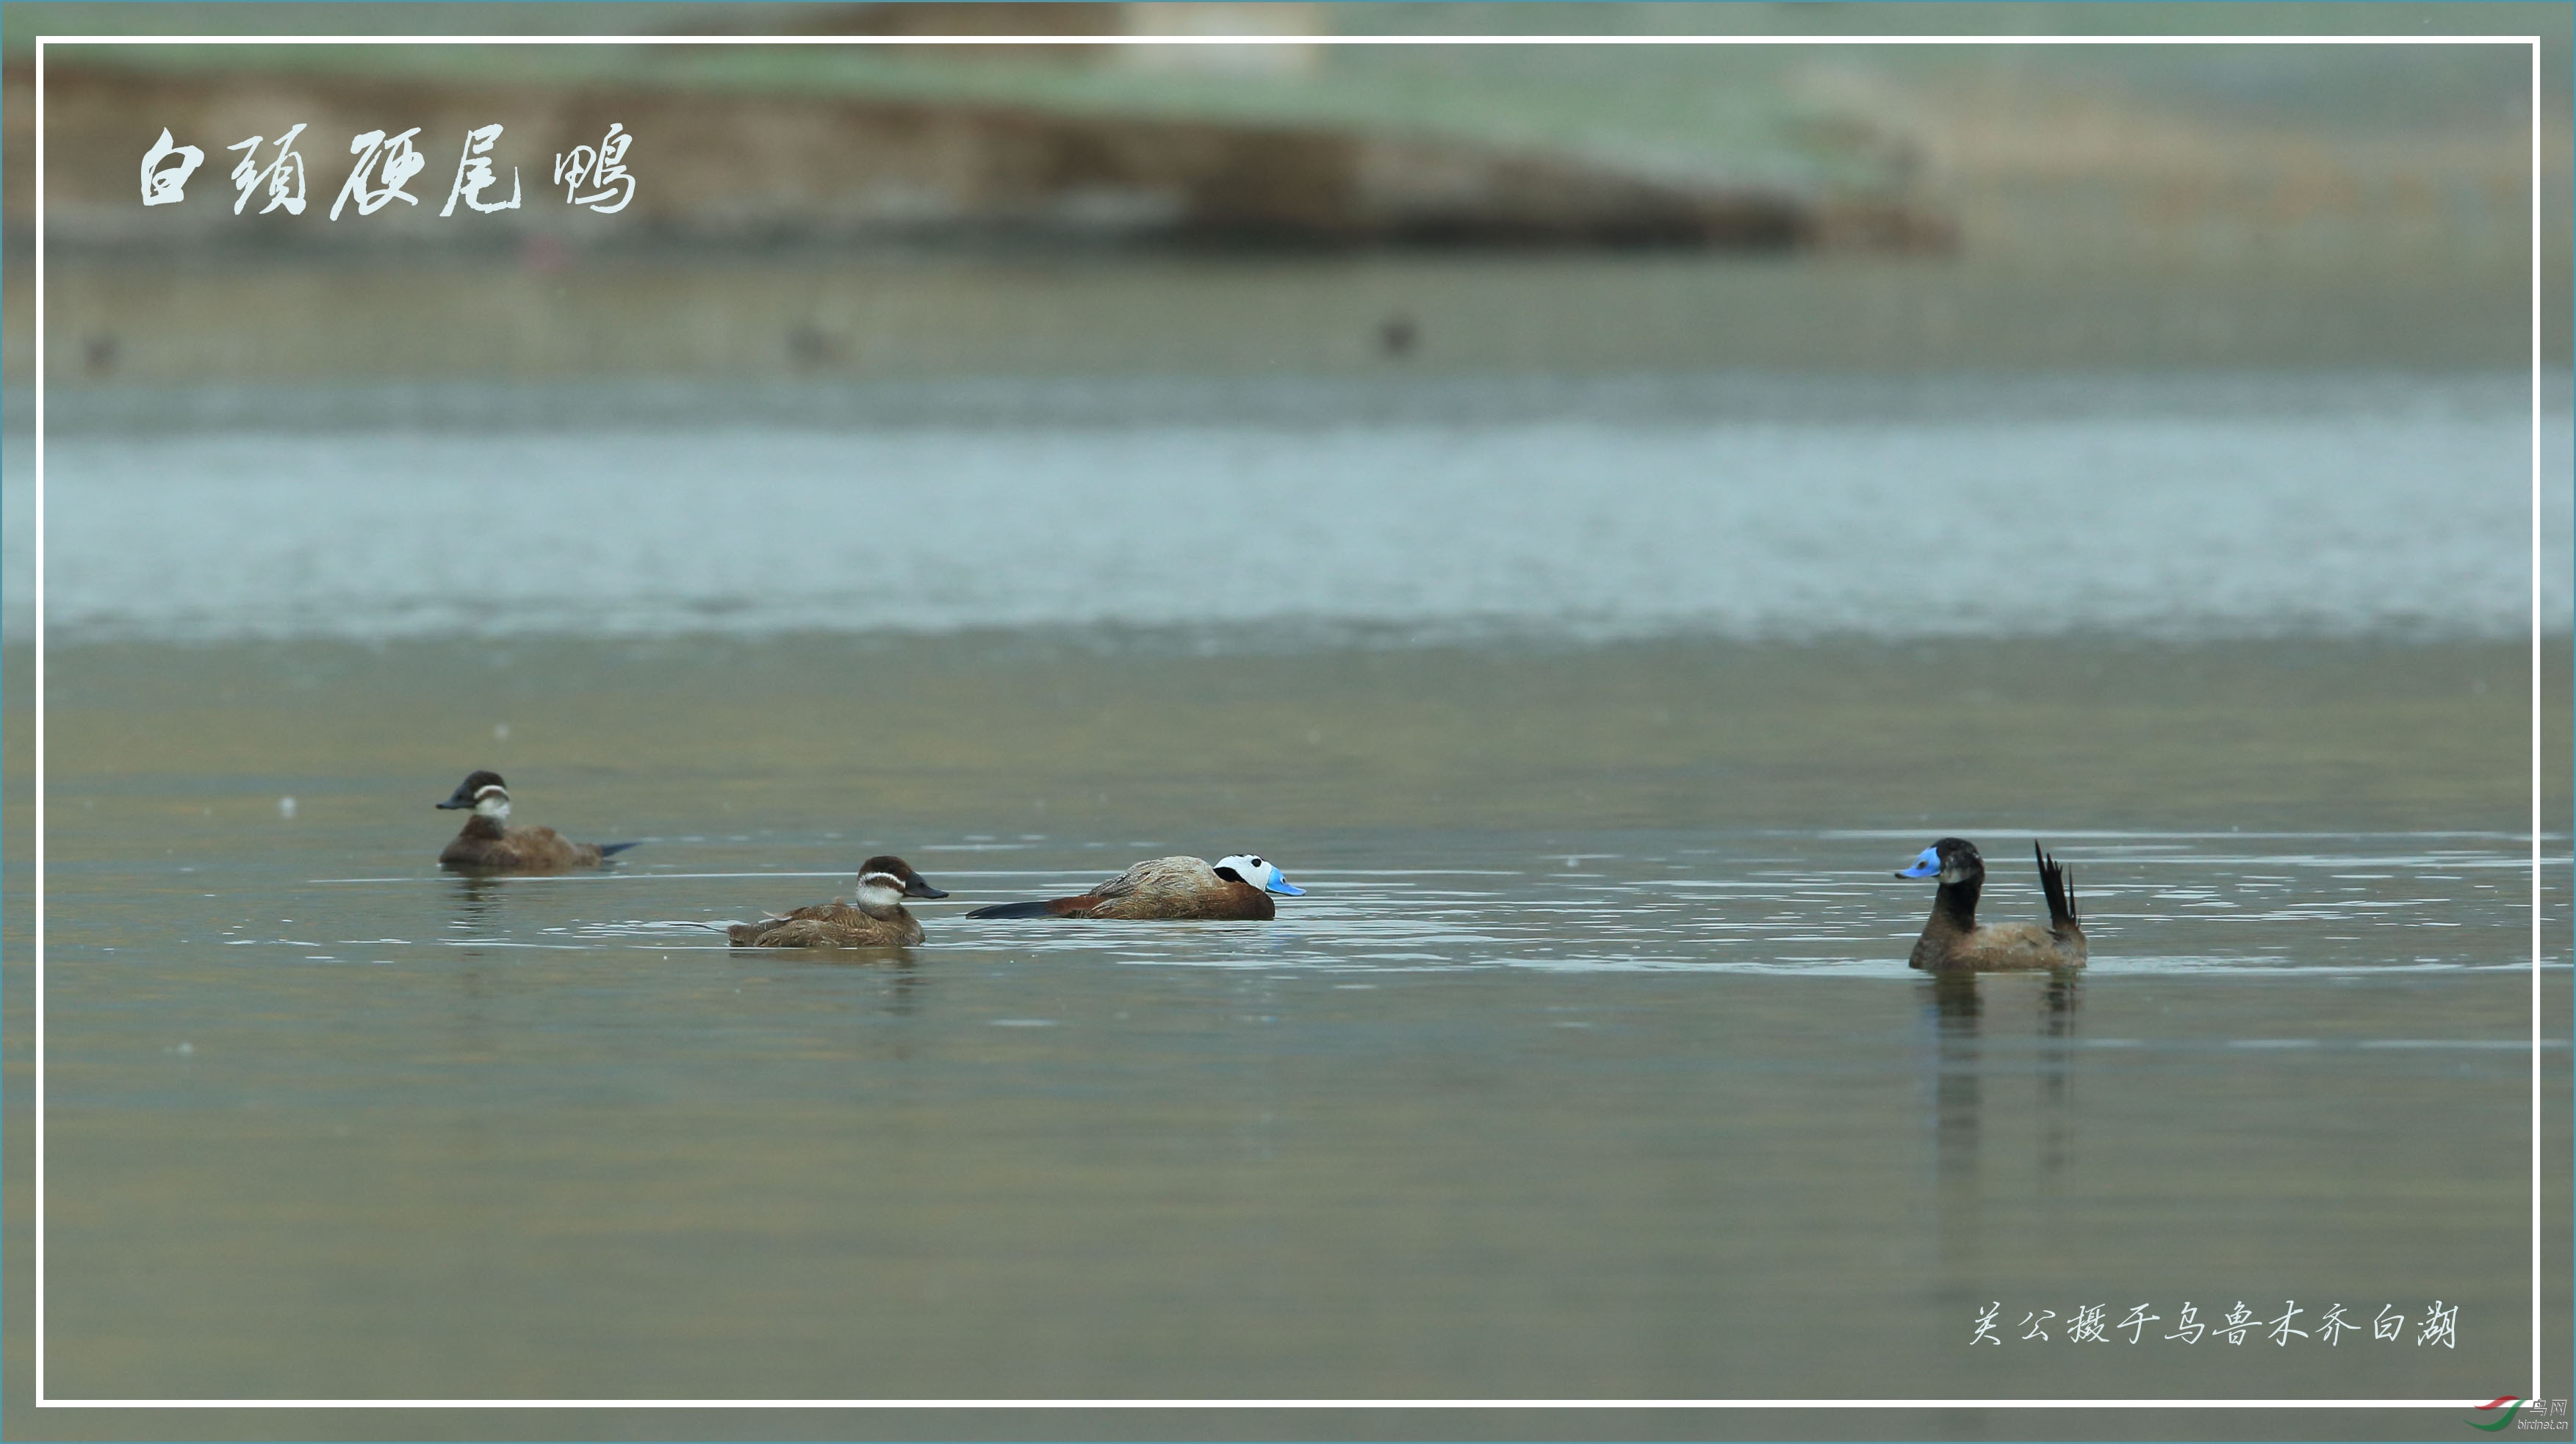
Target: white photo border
1093 1404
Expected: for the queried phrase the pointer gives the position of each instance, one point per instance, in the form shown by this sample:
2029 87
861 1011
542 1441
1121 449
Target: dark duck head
483 793
1954 860
884 882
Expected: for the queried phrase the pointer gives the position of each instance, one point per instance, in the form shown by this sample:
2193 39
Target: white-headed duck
489 844
1953 941
1187 888
873 918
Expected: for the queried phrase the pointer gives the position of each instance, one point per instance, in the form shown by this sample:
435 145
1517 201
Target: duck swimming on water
1236 888
1954 941
874 917
489 844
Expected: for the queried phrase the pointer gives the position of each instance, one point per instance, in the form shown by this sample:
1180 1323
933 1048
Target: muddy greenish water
1588 1068
1594 713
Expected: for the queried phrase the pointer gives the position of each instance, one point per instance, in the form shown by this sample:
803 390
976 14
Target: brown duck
1955 942
1233 888
489 844
873 918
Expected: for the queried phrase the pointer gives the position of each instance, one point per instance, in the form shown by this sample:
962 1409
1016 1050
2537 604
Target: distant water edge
1235 516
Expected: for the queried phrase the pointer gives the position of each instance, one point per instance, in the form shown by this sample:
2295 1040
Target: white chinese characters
597 178
164 184
604 167
394 162
285 174
474 174
2089 1323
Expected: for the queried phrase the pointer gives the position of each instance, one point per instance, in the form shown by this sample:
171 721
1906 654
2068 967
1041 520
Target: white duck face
1259 873
887 881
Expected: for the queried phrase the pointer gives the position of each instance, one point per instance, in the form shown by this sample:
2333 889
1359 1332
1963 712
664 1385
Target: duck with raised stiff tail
874 917
1232 889
490 844
1954 942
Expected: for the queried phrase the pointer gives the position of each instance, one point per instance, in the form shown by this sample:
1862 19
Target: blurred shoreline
758 174
548 318
832 213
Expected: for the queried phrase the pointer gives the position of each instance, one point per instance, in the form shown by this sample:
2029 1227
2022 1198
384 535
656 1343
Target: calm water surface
1613 507
1628 1108
1589 1067
1585 1114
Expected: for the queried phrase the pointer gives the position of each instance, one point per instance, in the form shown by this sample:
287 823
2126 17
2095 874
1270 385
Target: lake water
1593 718
1614 507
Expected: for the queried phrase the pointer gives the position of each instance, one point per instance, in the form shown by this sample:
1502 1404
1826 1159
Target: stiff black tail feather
612 849
1042 908
2061 892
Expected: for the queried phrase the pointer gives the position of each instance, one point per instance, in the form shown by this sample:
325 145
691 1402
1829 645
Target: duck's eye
1256 862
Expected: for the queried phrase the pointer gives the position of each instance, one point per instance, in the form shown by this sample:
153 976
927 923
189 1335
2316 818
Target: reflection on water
1590 1065
478 902
1953 1013
1956 1015
2057 1024
1419 1136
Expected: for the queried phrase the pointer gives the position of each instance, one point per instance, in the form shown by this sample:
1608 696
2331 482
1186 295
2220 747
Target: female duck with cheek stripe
1954 941
874 917
490 844
1236 888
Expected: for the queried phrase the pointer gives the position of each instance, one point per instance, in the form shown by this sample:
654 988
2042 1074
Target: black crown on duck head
911 883
1952 859
470 791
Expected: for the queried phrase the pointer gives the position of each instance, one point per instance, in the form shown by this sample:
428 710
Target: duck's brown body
1954 941
488 845
1170 888
1999 947
873 918
830 925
